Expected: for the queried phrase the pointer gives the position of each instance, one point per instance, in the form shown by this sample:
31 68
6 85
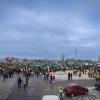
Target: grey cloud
47 33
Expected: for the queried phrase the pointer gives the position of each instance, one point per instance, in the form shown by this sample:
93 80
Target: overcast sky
50 28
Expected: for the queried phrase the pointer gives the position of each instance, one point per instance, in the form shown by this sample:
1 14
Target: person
60 90
80 74
47 76
4 75
37 74
69 76
19 82
44 75
24 82
27 78
51 78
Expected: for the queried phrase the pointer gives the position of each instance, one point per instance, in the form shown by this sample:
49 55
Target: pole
75 54
75 57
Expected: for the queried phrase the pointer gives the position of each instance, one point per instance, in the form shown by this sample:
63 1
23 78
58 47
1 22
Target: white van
50 97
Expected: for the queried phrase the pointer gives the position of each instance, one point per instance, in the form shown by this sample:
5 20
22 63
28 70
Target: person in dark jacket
69 76
51 78
19 82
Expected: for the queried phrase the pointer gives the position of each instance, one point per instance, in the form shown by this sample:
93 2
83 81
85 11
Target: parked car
97 85
73 89
50 97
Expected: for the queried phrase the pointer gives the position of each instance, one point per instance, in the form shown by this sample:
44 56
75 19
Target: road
39 87
32 92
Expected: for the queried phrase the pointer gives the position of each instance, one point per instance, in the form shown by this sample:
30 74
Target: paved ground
6 87
32 92
39 87
64 75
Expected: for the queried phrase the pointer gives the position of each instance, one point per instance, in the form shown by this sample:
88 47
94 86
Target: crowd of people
24 75
9 72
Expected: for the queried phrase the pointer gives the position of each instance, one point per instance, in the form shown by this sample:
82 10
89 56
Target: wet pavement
6 87
60 75
93 95
39 87
32 92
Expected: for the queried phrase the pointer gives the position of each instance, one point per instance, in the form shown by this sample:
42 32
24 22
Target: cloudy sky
50 28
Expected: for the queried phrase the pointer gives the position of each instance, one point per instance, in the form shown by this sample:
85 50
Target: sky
47 29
